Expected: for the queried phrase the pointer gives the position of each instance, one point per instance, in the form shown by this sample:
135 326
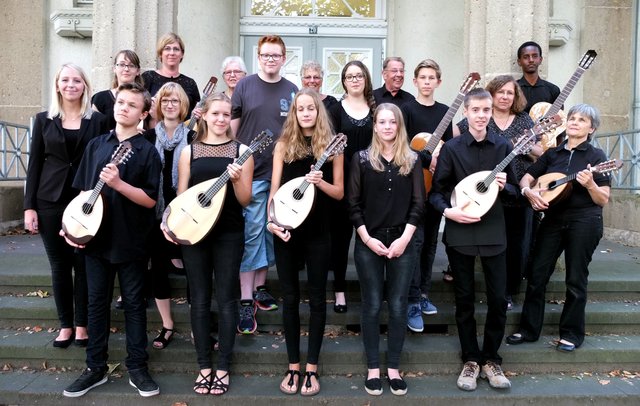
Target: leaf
179 404
37 329
112 367
604 381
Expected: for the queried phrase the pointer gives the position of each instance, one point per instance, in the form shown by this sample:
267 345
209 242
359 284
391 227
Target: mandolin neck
568 88
444 123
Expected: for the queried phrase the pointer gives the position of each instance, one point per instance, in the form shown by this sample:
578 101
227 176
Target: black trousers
426 241
495 276
519 221
341 232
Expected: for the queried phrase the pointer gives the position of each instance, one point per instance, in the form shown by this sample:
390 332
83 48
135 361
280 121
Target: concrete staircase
36 373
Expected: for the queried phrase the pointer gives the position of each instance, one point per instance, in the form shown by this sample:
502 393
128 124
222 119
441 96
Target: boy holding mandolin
467 236
120 244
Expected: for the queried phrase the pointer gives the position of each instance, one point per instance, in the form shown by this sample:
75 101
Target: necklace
505 122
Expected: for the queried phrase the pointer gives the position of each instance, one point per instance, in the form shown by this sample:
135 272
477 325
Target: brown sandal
307 384
291 383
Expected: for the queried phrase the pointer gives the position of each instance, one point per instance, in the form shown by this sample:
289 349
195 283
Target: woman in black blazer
58 140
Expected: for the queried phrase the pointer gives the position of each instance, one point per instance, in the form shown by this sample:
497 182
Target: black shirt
541 91
153 81
560 159
104 102
329 101
420 118
459 158
126 226
384 199
382 95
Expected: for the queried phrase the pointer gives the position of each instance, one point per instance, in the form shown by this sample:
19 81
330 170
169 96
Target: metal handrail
15 145
623 145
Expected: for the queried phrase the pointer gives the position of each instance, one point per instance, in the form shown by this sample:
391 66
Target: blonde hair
292 137
167 39
55 107
168 89
203 128
403 157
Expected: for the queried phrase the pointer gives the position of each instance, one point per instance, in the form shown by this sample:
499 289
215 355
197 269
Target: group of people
376 186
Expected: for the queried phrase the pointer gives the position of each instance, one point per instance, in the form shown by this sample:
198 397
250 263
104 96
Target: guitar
208 89
555 186
83 215
294 200
193 213
476 193
432 143
543 109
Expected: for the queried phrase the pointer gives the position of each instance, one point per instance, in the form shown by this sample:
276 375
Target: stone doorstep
23 387
266 353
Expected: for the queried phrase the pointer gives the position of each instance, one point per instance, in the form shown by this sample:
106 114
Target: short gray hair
587 111
311 65
235 59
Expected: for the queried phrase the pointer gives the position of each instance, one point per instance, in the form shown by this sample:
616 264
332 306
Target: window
314 8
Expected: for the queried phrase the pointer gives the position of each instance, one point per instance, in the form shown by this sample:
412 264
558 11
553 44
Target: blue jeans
258 242
100 278
373 270
578 237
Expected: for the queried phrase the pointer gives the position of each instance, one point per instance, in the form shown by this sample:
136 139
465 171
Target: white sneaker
493 373
468 376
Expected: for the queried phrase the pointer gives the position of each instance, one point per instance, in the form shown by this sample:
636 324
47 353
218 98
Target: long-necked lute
294 200
431 143
477 193
208 89
83 215
193 213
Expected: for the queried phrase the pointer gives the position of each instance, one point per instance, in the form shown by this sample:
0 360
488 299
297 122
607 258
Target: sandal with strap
161 341
307 384
203 382
291 387
218 385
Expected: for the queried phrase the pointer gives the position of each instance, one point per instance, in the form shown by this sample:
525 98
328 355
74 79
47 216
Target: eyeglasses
395 71
125 66
316 78
266 57
233 72
174 49
173 102
354 78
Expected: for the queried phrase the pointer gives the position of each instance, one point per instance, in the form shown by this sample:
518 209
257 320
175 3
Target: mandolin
432 143
476 193
543 109
83 215
193 213
208 89
554 187
294 200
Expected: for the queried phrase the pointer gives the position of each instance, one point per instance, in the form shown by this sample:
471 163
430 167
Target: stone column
134 25
494 29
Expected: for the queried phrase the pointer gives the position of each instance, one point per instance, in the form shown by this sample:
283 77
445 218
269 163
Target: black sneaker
247 322
142 381
87 381
263 299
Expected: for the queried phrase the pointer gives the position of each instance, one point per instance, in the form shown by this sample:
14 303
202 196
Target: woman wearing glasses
312 76
170 136
170 51
352 116
233 69
125 70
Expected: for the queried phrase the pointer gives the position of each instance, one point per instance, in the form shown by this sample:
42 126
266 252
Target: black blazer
51 170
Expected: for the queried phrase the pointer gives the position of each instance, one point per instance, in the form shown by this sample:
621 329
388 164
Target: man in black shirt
468 236
391 91
534 88
120 245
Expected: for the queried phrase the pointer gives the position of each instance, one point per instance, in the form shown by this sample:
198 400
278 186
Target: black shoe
515 339
64 343
373 386
81 342
398 386
340 308
119 304
87 381
142 381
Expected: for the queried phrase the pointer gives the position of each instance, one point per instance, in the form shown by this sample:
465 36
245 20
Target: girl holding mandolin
574 226
305 136
217 255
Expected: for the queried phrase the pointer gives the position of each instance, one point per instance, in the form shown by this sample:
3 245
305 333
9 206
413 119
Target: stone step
602 317
341 354
25 387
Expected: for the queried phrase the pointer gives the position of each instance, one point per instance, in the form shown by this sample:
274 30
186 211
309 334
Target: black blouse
384 199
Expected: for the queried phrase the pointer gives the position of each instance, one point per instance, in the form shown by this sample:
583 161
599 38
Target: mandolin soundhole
87 208
204 201
297 194
481 187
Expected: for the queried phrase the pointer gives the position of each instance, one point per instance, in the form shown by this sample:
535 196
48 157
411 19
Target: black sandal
162 339
307 383
291 373
217 384
204 383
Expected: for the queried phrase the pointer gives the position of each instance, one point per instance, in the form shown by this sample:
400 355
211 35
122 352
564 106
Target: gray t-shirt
261 105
